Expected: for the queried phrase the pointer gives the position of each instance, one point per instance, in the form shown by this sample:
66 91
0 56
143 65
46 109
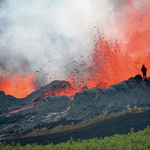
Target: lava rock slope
20 116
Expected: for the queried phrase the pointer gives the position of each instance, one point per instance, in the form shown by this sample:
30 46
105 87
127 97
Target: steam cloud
46 35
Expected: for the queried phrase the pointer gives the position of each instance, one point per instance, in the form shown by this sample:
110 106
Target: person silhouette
143 69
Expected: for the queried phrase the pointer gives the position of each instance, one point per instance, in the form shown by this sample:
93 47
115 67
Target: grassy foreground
132 141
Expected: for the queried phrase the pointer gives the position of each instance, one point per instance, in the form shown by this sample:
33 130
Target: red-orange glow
109 63
17 85
113 66
16 111
112 62
60 90
137 28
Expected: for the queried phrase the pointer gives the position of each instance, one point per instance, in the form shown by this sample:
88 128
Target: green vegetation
132 141
85 122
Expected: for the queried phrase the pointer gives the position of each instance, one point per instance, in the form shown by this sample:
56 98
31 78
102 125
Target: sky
42 38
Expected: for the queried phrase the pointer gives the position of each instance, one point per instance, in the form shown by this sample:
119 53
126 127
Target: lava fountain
110 61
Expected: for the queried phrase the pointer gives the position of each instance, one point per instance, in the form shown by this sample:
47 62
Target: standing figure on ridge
143 69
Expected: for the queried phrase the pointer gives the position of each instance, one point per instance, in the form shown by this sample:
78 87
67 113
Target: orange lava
112 62
59 90
109 63
111 66
16 111
17 85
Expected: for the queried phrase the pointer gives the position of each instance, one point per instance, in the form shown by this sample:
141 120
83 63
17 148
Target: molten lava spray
119 51
112 62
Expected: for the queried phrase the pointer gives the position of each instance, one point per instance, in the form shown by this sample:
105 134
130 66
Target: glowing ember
17 85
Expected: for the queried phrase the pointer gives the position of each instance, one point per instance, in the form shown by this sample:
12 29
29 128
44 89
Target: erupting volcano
109 62
69 61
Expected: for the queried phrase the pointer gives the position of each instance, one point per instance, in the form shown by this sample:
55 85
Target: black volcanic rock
93 102
2 93
138 77
19 116
53 87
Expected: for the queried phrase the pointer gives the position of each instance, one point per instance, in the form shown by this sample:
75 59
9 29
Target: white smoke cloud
45 35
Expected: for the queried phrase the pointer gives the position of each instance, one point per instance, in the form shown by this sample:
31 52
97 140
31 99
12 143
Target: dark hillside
117 125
